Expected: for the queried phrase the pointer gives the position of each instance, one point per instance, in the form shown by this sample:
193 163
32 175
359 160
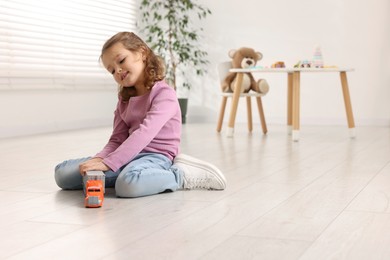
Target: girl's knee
140 185
66 177
60 177
126 188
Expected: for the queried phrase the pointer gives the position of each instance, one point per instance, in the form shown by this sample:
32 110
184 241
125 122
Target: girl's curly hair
154 65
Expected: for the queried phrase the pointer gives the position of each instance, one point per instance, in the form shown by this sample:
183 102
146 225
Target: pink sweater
147 123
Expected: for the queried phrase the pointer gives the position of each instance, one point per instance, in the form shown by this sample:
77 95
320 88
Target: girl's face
126 66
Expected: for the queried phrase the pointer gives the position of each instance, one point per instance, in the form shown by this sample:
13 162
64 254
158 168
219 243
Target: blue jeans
146 174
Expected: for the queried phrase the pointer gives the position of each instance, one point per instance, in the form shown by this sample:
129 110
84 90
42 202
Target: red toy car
94 195
94 182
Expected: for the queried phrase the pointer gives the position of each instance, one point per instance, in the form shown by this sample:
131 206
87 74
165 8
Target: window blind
56 44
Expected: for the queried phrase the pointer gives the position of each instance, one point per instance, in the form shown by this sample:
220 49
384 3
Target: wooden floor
325 197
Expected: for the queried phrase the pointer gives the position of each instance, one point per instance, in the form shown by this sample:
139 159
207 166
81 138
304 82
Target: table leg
295 105
347 102
289 102
236 97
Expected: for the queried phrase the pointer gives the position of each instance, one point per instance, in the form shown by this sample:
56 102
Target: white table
293 97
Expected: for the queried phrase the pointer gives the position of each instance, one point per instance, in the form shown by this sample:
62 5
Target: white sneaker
199 174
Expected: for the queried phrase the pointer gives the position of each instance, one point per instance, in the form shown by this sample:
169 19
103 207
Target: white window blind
56 44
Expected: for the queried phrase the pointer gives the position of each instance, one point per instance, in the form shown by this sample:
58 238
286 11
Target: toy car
303 64
94 182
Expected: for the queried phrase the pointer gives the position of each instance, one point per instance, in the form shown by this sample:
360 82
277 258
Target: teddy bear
244 58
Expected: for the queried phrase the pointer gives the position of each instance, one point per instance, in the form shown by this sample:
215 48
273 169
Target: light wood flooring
325 197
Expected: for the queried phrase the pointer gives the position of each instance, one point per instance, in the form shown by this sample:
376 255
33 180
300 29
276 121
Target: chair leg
236 97
221 114
261 113
249 109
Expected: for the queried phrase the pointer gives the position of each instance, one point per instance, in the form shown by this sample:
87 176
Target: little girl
141 157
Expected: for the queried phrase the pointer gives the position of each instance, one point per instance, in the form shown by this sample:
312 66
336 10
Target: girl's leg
148 174
67 174
68 177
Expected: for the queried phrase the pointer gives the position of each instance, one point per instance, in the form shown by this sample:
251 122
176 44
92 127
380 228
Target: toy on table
245 58
316 62
278 64
94 182
303 64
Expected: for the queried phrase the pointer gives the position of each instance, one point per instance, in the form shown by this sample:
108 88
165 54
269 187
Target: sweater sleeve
163 108
119 134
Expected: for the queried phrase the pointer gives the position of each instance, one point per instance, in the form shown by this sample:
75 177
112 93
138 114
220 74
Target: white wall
29 112
351 33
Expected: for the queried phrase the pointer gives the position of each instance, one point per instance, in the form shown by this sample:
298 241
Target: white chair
223 70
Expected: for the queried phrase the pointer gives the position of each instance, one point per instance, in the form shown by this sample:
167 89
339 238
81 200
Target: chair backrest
223 70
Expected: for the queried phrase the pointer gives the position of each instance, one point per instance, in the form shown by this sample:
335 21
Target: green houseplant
169 29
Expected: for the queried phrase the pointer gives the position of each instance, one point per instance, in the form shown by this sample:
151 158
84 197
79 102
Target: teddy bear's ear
259 55
231 53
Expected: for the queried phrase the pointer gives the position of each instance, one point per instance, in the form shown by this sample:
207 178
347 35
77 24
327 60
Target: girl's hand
94 164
